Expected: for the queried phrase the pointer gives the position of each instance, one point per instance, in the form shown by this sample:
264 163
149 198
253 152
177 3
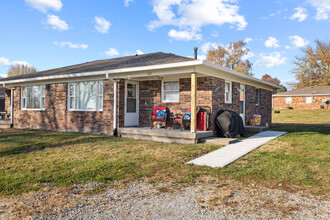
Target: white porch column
193 102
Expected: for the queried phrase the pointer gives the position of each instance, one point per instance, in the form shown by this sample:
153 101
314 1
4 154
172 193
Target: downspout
115 101
12 107
115 92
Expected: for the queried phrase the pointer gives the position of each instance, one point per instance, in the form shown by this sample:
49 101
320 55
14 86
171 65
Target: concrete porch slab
232 152
163 135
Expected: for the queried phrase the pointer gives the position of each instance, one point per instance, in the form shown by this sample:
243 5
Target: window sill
83 110
32 109
228 103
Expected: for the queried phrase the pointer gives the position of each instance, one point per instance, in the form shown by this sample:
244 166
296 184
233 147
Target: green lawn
302 116
31 159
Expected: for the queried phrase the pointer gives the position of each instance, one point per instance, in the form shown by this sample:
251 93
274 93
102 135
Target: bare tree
20 69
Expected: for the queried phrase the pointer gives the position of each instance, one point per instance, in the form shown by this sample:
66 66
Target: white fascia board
110 72
239 75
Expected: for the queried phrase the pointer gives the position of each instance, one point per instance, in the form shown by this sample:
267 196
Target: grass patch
33 159
302 116
300 157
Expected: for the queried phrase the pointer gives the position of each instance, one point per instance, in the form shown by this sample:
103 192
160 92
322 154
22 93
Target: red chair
184 120
159 113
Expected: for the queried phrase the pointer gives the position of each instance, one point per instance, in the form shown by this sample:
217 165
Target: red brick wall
56 116
210 92
7 101
298 102
264 109
150 96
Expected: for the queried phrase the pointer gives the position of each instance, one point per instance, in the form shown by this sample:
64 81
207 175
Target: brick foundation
299 102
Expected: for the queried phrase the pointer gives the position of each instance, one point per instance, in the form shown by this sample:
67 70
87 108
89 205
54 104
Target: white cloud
139 52
247 40
322 8
45 5
298 41
126 2
273 59
112 52
71 45
272 42
248 56
301 14
5 62
56 23
184 35
287 47
192 15
102 25
208 46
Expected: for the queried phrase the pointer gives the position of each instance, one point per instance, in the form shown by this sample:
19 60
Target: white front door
131 103
242 102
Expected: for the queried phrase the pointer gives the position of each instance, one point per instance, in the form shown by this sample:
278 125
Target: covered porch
137 93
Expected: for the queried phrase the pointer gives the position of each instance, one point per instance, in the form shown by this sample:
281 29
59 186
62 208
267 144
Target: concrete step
218 140
4 124
255 128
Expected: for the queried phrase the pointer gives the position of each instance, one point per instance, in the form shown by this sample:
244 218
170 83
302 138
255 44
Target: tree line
311 68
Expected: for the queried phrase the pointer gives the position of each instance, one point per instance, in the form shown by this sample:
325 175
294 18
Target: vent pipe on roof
195 52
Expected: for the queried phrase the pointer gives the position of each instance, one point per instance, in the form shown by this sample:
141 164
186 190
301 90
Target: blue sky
55 33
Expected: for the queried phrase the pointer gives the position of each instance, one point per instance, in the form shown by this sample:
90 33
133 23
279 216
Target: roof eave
240 75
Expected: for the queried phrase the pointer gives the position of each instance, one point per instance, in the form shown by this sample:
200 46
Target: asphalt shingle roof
310 90
109 64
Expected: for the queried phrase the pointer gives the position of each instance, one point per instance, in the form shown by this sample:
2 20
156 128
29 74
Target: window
287 100
257 98
87 96
171 91
308 99
228 92
33 97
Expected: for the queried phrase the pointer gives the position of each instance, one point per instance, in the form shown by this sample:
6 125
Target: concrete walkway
231 152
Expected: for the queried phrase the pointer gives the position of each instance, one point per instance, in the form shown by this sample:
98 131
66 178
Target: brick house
90 97
311 97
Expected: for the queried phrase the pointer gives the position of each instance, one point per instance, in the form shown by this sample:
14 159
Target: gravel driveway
230 200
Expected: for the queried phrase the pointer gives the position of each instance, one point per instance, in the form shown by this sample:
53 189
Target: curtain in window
171 91
33 97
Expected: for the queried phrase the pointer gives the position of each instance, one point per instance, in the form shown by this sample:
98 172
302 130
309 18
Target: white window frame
42 98
230 92
288 100
258 96
310 98
163 91
99 82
